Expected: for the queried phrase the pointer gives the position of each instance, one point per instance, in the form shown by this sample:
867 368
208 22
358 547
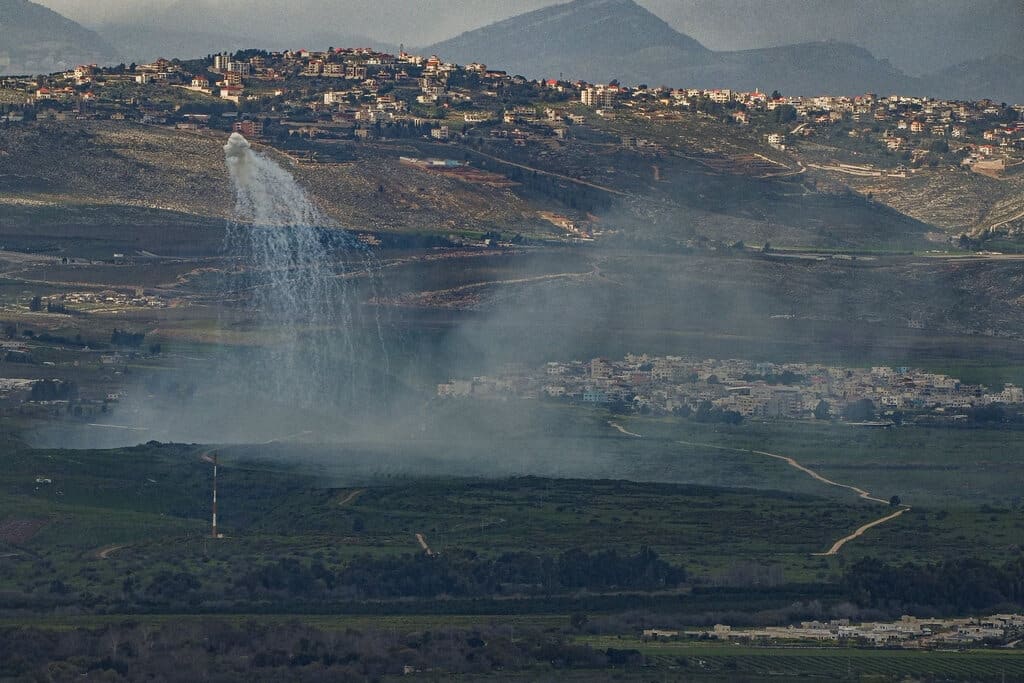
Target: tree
36 304
822 411
578 620
126 338
784 113
894 501
859 411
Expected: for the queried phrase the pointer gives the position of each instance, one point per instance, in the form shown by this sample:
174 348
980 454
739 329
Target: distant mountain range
593 40
596 40
195 28
34 39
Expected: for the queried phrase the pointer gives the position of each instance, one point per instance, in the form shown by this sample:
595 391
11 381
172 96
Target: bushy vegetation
955 586
461 575
214 650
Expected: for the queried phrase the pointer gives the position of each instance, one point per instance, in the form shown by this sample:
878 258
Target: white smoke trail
302 306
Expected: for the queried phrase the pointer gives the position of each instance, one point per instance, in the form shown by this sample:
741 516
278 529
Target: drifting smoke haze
306 356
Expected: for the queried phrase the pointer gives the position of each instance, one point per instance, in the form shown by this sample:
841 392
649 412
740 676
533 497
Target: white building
603 98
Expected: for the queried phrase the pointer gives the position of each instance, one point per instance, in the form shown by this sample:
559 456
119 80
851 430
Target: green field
728 510
847 663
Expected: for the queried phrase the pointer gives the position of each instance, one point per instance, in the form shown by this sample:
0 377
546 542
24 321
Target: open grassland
155 502
341 501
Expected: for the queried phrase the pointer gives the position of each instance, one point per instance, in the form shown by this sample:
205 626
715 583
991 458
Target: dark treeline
126 338
994 413
196 650
461 575
53 390
955 586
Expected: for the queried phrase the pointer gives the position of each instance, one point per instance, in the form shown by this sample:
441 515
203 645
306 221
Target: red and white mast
213 526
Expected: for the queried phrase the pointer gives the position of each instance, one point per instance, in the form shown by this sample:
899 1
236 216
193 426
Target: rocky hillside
121 169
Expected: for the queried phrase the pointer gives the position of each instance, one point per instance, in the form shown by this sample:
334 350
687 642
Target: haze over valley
597 340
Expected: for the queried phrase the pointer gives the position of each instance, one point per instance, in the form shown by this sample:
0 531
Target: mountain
188 29
144 43
34 39
805 69
597 40
590 39
1000 78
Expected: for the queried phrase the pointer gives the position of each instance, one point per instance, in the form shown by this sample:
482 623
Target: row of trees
125 338
959 585
193 650
460 575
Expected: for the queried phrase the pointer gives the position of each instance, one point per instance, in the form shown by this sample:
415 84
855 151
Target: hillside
34 39
123 170
131 182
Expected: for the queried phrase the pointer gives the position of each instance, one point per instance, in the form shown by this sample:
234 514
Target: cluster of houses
909 631
353 91
677 384
51 398
106 299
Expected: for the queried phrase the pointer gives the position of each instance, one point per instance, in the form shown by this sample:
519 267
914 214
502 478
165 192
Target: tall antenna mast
213 526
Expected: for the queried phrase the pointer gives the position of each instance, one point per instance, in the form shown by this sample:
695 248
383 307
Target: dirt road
625 431
866 495
105 553
792 462
350 497
859 532
422 540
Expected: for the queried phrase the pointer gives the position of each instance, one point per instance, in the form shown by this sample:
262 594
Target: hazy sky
916 35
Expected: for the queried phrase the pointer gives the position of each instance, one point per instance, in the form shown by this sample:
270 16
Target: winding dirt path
622 429
350 497
105 553
792 462
861 493
866 495
422 540
859 532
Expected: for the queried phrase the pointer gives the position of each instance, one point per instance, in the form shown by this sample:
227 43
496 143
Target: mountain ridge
597 40
35 39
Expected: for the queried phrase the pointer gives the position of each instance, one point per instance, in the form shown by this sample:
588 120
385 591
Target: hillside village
353 93
731 390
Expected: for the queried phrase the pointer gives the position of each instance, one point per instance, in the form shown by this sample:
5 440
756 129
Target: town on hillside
715 390
361 94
